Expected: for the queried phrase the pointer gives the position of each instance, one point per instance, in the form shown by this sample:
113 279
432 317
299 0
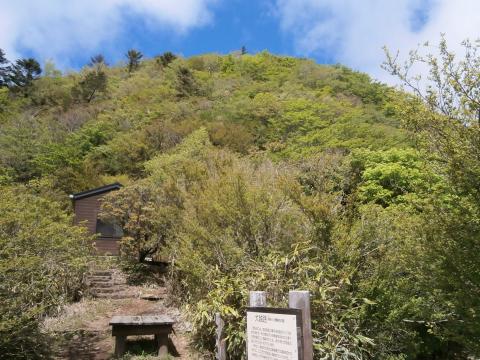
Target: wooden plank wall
87 209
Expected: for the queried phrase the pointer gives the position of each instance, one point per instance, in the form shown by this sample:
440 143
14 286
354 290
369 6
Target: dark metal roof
96 191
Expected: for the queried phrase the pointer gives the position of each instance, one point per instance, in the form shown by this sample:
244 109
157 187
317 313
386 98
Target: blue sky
235 24
351 32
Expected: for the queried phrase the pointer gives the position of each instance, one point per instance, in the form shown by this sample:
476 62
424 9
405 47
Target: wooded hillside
250 172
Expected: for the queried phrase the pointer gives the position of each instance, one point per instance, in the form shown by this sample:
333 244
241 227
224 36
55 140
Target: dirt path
83 332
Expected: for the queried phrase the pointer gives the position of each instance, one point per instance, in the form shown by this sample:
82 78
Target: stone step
98 277
108 284
93 283
156 291
118 295
97 285
102 273
109 290
152 297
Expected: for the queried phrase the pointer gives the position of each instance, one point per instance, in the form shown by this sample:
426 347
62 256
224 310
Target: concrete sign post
220 344
257 299
301 300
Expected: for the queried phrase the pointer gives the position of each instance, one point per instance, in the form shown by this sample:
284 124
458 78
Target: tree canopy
133 57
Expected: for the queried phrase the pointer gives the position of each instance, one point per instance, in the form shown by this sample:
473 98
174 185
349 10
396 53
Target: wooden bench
159 325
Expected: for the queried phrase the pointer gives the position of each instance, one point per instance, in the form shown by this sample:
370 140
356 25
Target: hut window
109 229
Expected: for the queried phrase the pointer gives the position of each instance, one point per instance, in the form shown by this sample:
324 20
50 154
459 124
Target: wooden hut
86 205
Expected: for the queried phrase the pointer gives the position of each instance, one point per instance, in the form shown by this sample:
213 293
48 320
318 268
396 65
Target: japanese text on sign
272 336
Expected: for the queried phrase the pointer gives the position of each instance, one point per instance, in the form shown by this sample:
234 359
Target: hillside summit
107 121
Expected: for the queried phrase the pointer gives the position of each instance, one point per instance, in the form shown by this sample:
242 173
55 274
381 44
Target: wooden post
221 345
120 346
162 344
301 300
258 299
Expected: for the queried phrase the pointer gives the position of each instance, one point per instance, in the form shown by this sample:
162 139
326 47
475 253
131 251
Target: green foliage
185 82
166 58
9 107
451 86
360 85
52 91
50 70
133 56
147 220
444 117
336 316
392 176
260 104
406 261
184 161
239 226
21 74
42 259
3 69
64 162
261 172
97 60
93 83
19 143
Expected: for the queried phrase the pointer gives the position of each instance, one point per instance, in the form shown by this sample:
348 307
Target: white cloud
61 29
354 31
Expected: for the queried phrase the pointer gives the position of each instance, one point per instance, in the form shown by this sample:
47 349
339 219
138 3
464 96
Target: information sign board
274 334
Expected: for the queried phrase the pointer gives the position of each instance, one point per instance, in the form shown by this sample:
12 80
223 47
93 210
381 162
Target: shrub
336 315
42 260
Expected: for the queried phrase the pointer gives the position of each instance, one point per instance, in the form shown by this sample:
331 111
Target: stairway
108 284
